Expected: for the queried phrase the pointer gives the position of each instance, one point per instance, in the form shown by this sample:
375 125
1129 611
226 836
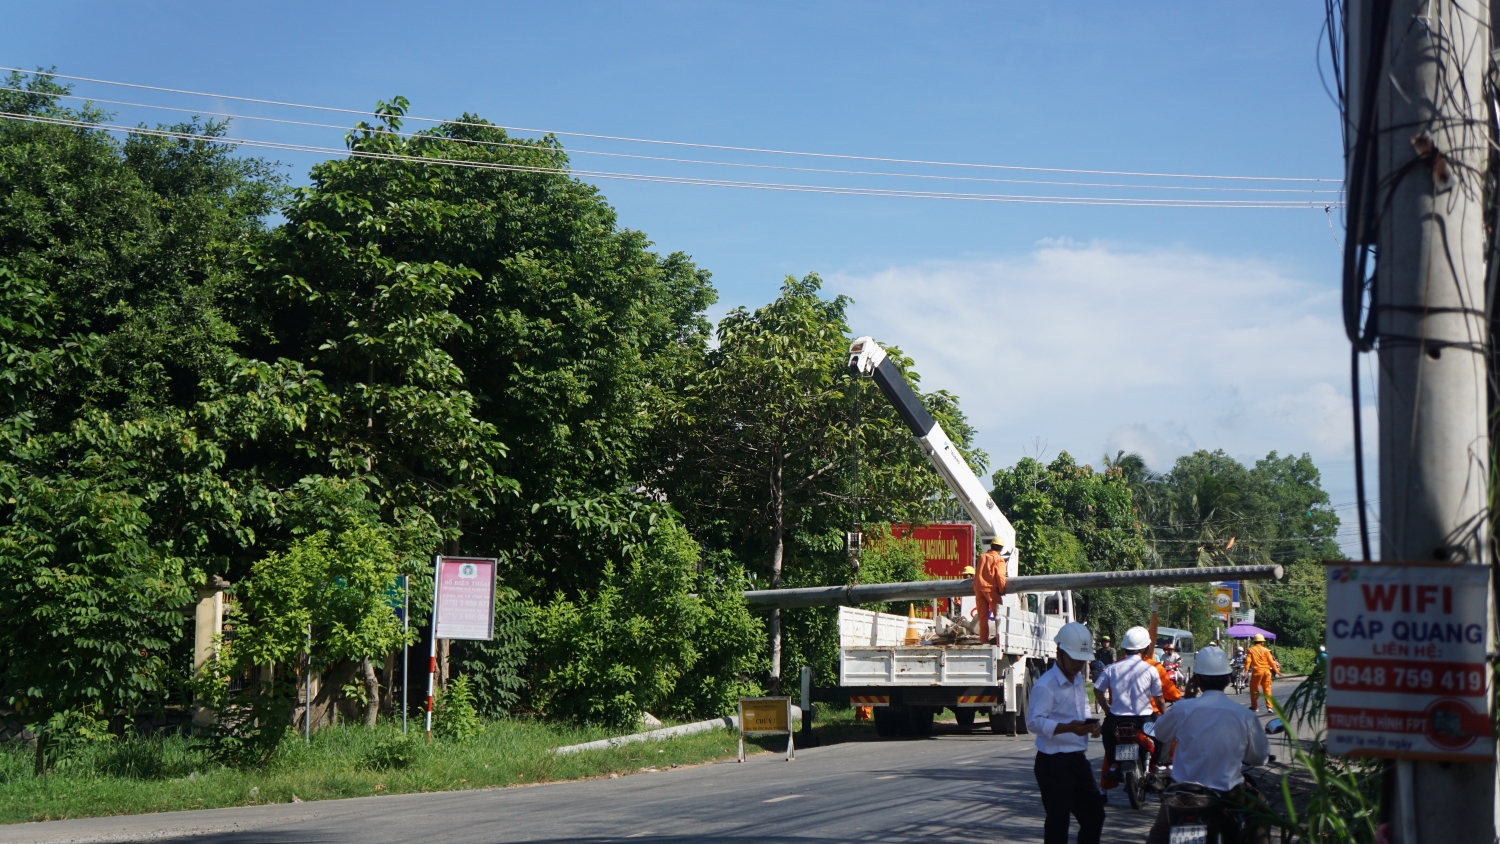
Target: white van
1182 640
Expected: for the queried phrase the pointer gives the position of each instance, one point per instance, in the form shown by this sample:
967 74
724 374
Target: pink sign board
465 598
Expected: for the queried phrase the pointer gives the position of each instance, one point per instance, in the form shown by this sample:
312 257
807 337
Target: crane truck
908 684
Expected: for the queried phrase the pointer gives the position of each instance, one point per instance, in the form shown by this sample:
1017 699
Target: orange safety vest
1259 660
1170 693
989 574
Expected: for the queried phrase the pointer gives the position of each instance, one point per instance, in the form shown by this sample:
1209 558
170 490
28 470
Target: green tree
775 452
1069 518
341 294
334 587
117 261
771 421
1212 510
629 645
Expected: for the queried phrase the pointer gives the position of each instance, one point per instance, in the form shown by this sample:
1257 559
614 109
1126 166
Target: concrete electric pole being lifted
1418 144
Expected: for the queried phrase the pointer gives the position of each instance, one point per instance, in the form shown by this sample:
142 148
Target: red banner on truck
947 548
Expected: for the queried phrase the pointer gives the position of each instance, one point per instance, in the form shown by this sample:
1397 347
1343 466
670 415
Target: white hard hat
1211 662
1076 641
1136 639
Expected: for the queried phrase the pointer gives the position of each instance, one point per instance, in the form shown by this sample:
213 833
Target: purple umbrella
1244 630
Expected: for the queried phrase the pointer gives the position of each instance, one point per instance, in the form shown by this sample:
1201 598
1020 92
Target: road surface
949 788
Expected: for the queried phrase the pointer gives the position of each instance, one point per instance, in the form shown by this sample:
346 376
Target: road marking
888 777
642 834
968 762
779 799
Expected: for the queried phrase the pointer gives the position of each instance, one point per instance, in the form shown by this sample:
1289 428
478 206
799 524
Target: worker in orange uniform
1170 691
989 586
1261 664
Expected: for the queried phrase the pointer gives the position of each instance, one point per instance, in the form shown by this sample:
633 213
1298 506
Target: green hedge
1295 660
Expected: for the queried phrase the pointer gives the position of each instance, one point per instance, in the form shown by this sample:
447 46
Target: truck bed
920 665
1023 633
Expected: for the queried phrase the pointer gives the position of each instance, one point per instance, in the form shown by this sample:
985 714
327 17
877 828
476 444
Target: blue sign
395 597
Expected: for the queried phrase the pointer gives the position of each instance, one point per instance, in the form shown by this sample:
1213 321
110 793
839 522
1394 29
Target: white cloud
1094 348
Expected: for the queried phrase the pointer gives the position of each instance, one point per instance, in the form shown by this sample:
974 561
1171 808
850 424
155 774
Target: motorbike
1199 815
1134 748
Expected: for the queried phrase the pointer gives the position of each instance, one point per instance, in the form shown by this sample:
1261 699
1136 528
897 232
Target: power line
576 151
1134 202
725 147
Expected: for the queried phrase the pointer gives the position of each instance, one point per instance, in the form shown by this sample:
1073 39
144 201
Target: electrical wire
1360 202
625 139
571 151
354 152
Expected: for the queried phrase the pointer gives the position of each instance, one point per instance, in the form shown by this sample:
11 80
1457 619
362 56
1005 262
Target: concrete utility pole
1422 65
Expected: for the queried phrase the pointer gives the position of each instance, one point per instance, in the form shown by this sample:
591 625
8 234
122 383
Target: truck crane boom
868 359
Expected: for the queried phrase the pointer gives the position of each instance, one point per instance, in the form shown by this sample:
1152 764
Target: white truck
908 684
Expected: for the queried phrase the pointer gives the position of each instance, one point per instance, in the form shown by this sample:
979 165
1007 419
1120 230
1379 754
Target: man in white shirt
1057 714
1133 689
1214 735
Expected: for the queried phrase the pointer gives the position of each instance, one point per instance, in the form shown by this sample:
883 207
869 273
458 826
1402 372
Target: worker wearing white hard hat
1057 714
1131 686
1214 735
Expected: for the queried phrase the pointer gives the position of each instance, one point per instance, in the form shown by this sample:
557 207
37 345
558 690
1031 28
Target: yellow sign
1223 599
765 715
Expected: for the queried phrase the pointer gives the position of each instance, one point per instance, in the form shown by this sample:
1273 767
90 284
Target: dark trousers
1067 785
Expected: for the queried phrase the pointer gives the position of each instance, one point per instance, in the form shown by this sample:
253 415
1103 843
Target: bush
140 759
396 753
731 642
1296 660
454 715
496 667
68 737
605 656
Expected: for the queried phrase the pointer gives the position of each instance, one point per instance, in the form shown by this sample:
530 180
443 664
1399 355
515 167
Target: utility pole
1418 142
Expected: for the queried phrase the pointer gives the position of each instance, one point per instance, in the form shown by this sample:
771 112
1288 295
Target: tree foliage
311 391
115 262
1207 510
631 644
1070 518
773 452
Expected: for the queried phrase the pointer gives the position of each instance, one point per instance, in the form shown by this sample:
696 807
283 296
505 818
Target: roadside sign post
766 716
307 692
1224 603
463 607
405 644
1408 676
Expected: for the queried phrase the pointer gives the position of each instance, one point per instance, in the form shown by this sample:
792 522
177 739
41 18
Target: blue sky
1061 327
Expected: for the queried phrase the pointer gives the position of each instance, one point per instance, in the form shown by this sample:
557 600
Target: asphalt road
952 787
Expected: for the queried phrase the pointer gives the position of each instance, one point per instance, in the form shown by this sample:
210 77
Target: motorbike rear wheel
1135 786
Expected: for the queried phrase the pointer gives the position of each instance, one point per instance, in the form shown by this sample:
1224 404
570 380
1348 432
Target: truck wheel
1003 723
888 721
965 717
1022 701
919 720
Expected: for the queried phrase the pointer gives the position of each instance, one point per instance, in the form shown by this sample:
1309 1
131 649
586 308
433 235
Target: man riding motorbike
1214 738
1133 690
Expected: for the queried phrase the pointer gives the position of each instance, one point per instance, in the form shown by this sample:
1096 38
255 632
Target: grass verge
137 775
